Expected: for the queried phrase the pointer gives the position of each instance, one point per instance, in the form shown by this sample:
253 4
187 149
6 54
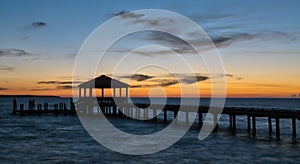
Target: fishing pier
117 105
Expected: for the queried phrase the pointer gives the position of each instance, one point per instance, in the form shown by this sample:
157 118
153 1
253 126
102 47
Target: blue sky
262 37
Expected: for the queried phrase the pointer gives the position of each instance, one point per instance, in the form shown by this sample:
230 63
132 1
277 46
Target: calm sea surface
55 139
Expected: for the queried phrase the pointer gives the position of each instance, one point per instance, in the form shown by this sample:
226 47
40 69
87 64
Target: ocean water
62 139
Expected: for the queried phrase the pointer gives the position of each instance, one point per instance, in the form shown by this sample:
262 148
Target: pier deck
109 108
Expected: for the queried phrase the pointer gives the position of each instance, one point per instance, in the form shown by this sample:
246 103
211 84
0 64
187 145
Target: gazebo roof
103 82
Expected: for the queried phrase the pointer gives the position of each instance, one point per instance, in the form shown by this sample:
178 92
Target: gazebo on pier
105 102
103 82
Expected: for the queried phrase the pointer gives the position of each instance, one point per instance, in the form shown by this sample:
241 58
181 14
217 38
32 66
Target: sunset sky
258 42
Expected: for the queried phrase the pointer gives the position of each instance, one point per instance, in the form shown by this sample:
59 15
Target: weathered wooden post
215 121
277 128
45 106
39 109
55 109
146 113
187 118
294 127
270 125
165 115
15 106
21 109
200 119
131 112
254 125
233 123
230 121
175 115
155 115
136 112
138 115
114 110
65 109
249 123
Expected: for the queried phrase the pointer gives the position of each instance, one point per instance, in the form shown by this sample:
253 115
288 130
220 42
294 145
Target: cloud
3 89
65 87
141 18
6 68
169 79
220 37
47 89
38 24
138 77
127 14
225 41
210 17
193 79
58 82
40 89
158 82
234 76
166 82
13 52
180 46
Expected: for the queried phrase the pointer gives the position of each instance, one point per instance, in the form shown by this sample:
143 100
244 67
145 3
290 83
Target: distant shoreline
29 96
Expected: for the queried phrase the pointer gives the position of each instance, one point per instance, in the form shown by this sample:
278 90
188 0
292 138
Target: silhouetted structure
102 82
107 106
86 102
43 109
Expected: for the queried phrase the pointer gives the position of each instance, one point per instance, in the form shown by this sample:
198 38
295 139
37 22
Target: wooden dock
58 108
109 108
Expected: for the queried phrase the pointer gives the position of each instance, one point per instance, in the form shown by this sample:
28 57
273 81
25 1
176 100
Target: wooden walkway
58 108
109 108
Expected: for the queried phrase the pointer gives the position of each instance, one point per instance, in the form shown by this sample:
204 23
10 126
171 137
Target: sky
258 42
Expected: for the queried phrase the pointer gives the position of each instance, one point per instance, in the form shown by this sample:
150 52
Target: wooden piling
254 125
294 127
165 115
55 109
216 121
138 112
233 123
131 112
200 119
186 118
39 109
154 115
270 125
277 128
175 115
249 123
145 113
114 111
230 121
21 109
